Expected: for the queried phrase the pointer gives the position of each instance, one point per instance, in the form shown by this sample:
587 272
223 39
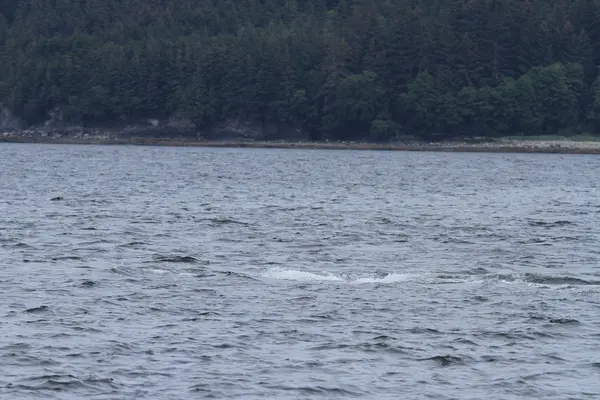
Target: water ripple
160 273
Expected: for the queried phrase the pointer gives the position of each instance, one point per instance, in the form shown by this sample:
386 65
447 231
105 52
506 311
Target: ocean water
184 273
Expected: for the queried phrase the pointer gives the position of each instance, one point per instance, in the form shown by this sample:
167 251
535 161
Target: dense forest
338 69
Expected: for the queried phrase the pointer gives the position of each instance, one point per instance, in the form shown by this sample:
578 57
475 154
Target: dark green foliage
545 100
355 106
594 110
338 69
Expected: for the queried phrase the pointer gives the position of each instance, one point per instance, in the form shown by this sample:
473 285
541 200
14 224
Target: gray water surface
184 273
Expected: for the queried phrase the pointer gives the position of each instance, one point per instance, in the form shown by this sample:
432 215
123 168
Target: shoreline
497 146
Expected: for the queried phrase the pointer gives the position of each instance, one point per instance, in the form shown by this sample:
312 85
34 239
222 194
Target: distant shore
560 146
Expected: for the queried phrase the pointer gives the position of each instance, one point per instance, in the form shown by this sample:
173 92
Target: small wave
24 360
236 274
383 348
465 341
564 321
529 278
225 221
317 390
50 382
16 346
421 330
445 360
122 271
368 347
100 382
304 298
132 244
22 245
210 393
513 336
452 240
37 309
175 259
557 280
549 224
66 258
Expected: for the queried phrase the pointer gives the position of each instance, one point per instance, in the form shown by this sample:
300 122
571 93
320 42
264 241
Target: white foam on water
390 278
280 273
296 275
160 271
287 274
304 276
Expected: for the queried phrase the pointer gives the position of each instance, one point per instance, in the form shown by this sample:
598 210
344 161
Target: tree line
339 69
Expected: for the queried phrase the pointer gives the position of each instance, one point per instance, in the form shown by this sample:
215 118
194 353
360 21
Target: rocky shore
563 146
180 131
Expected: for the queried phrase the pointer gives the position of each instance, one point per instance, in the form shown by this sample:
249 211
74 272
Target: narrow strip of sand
497 146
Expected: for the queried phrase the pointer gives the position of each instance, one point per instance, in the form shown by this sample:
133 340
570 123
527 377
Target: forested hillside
339 69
